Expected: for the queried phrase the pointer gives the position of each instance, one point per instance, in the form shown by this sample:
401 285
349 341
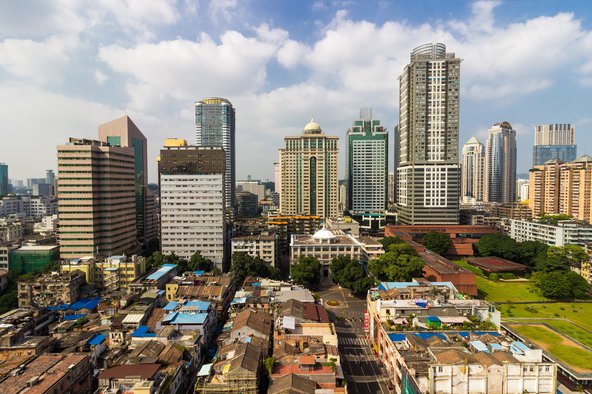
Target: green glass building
32 258
367 166
3 179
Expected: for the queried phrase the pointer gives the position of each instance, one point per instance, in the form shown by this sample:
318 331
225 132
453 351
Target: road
361 367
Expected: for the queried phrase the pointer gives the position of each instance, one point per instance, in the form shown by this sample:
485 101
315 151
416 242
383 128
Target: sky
67 66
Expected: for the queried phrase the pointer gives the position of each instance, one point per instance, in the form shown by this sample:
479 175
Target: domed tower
308 171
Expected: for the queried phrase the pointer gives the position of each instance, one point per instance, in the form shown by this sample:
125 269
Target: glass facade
543 153
3 179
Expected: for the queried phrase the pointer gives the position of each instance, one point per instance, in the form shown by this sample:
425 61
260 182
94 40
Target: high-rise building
391 187
277 177
49 177
308 166
96 199
251 186
522 187
3 179
192 203
562 188
123 132
428 172
215 126
367 165
500 164
473 155
554 141
397 160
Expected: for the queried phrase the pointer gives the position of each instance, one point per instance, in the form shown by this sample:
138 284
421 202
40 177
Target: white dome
323 235
312 127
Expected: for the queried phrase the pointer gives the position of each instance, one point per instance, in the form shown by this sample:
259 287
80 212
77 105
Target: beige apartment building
263 246
308 168
96 199
562 188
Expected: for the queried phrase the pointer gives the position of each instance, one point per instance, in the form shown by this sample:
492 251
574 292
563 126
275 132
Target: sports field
564 349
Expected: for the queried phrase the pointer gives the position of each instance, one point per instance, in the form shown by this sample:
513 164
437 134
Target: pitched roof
292 384
145 371
256 320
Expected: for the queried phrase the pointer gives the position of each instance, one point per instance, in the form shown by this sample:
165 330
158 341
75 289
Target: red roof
144 371
307 360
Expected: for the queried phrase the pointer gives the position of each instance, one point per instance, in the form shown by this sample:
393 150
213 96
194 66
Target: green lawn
579 313
572 330
560 347
508 291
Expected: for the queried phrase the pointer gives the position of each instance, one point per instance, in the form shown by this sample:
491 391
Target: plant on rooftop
269 363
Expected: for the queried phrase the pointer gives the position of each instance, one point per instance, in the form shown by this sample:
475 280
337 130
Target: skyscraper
215 126
473 155
428 174
192 202
500 164
553 141
367 165
96 199
123 132
3 179
308 167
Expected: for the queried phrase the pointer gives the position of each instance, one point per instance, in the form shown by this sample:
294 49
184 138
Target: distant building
251 186
247 204
367 165
473 155
554 141
427 165
309 182
562 188
43 189
522 187
500 164
96 198
192 219
215 126
33 258
4 190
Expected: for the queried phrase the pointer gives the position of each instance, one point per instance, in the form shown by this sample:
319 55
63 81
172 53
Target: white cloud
100 78
223 9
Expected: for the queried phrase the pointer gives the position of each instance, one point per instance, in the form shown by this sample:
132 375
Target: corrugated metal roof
162 271
133 318
96 339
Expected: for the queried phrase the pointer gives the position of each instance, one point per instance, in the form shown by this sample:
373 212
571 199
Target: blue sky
68 65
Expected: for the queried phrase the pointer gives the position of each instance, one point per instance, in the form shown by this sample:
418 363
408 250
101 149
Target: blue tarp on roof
428 335
185 318
201 305
256 284
143 332
161 271
85 303
397 337
464 334
494 333
96 339
479 346
199 272
61 307
384 286
74 317
241 300
421 304
433 319
171 306
496 346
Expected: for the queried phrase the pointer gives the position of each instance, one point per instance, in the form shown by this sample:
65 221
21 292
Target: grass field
508 291
578 313
562 348
572 330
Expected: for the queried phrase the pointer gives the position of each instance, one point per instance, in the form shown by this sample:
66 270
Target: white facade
29 206
262 246
254 187
192 215
554 134
522 186
565 233
473 155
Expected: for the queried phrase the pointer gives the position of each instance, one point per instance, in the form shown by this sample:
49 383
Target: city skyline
78 66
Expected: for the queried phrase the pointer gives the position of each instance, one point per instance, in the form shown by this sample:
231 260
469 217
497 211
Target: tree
387 241
561 258
558 284
530 250
350 274
498 245
198 262
244 265
404 268
437 242
307 272
337 266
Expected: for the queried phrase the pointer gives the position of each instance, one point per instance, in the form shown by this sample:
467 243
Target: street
360 366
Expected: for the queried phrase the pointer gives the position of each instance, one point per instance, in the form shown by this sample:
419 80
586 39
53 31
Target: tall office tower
367 165
553 141
215 126
308 167
192 203
428 173
500 164
562 188
277 177
3 179
397 160
49 177
123 132
96 200
471 178
391 187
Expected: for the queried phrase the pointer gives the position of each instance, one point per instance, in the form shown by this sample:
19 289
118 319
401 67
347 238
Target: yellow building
85 264
116 272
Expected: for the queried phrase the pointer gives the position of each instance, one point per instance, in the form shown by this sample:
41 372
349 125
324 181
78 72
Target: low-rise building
563 233
263 246
51 290
52 374
157 280
31 258
135 378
